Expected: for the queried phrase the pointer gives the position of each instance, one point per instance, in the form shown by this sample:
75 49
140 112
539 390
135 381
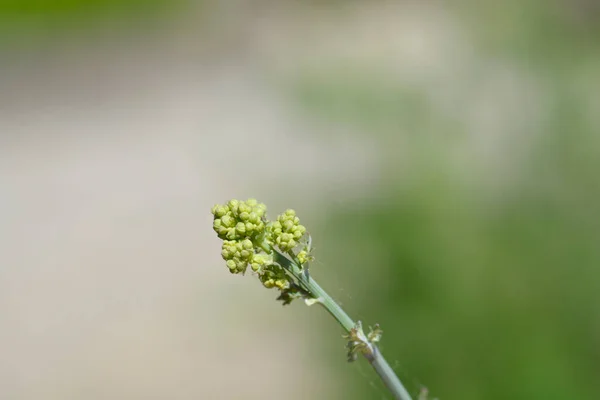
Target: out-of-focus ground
385 120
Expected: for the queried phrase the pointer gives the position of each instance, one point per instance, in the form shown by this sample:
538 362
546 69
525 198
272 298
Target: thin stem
330 305
388 376
383 369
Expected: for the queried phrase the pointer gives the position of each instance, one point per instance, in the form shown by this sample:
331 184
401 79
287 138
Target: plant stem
375 358
388 376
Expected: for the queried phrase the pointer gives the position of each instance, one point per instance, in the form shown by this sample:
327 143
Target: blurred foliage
479 296
24 20
89 8
536 30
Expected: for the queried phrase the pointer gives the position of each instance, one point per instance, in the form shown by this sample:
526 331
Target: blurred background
444 155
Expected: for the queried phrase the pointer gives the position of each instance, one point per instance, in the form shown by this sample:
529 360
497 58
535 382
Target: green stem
388 376
383 369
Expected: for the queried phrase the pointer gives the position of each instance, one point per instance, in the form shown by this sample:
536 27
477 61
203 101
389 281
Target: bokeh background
444 155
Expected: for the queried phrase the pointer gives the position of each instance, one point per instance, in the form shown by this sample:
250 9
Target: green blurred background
446 162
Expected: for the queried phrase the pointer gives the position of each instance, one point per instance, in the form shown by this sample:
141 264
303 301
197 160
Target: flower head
275 276
249 239
238 220
286 232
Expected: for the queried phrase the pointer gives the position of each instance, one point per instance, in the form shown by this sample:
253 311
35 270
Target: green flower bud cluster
287 231
304 256
260 261
237 254
240 224
275 276
238 220
249 239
